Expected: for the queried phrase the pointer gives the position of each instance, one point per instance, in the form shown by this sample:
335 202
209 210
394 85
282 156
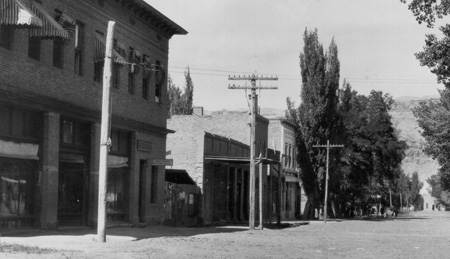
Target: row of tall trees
434 116
181 102
369 165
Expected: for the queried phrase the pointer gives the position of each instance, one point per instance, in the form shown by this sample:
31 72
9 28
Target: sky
376 42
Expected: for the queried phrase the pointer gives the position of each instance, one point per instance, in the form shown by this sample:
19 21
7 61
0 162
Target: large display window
115 193
17 187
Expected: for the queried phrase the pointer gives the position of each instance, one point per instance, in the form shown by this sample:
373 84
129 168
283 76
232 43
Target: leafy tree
416 186
373 153
181 103
436 191
175 98
428 10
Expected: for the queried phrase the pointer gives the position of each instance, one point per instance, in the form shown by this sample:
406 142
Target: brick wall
50 163
42 78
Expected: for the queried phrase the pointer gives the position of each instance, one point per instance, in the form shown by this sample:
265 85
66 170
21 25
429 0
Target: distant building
282 137
52 57
214 150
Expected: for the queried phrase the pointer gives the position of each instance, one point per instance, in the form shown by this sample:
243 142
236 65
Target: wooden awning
100 48
15 12
50 28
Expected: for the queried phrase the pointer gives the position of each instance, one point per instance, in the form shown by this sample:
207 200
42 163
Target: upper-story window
159 79
58 52
116 75
6 36
146 78
34 48
75 133
132 73
119 142
286 157
79 42
19 123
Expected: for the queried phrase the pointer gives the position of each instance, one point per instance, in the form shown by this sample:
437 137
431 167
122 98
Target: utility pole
104 136
390 198
253 111
328 146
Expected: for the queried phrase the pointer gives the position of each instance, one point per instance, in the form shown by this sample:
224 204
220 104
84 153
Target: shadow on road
135 233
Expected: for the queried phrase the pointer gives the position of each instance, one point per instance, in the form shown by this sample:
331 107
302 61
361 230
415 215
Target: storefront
73 180
20 137
117 193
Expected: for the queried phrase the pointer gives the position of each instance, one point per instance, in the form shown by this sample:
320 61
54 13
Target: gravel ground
415 235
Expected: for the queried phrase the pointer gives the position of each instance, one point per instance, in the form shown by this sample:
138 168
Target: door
71 194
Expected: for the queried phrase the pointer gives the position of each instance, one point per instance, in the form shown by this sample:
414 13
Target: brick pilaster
50 164
94 170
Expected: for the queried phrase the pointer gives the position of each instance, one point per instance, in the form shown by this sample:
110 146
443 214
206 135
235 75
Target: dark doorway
142 181
71 194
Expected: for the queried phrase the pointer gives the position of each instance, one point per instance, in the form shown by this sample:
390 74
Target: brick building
282 134
52 56
214 149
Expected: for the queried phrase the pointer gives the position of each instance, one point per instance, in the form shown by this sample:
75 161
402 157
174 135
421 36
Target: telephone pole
104 136
253 111
328 146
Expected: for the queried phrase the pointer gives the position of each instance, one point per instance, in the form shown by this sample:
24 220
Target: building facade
282 137
215 151
51 72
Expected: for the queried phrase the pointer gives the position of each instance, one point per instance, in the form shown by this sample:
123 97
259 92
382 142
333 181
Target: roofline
153 16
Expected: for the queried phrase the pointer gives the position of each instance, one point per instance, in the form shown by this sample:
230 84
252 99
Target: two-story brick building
51 64
214 149
282 137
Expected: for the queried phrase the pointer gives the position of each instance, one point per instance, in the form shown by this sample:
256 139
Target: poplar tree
317 113
188 95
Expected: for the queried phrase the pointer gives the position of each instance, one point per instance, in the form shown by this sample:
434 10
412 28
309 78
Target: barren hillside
406 124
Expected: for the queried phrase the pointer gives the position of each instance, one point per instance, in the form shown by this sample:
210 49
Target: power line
298 77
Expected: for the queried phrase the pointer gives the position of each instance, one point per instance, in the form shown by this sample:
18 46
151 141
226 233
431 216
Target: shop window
34 48
75 133
79 42
17 187
115 194
120 142
19 123
154 185
58 52
6 36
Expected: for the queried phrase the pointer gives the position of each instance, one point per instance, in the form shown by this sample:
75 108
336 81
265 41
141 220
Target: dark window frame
58 53
6 36
79 47
34 48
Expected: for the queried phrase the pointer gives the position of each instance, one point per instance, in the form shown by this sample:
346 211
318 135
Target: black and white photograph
224 129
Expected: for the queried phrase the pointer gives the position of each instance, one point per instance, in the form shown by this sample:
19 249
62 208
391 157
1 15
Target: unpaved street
417 235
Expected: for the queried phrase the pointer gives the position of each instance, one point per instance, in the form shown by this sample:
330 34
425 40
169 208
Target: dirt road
417 235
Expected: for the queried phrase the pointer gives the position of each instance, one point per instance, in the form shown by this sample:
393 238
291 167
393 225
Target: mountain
409 131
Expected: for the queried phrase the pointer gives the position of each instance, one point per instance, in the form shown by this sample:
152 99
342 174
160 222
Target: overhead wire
298 77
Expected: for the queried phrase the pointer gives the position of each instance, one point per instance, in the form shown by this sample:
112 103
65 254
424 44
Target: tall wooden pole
104 137
390 198
328 146
252 162
261 195
326 185
253 111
